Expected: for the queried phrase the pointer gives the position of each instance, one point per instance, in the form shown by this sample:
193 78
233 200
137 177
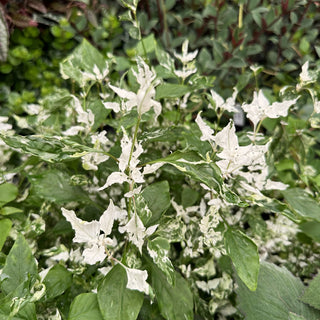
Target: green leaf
50 149
147 43
244 255
134 32
54 185
311 229
6 211
171 90
157 197
277 295
5 227
311 296
302 203
57 281
19 267
175 302
8 192
84 307
99 111
116 302
158 250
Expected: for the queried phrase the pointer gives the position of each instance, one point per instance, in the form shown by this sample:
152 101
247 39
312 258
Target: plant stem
134 139
240 24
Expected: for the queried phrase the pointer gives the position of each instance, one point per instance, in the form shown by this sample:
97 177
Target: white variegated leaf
84 231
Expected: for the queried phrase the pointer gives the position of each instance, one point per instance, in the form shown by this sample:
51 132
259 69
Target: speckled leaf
158 250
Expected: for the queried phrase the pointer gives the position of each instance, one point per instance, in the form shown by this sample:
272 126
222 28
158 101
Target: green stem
130 157
134 139
257 130
240 25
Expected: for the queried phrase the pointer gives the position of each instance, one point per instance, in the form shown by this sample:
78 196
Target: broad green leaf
311 296
84 58
54 185
311 229
189 197
244 255
84 307
5 211
277 295
158 250
57 281
148 43
19 267
50 149
5 227
302 203
171 90
116 302
8 192
157 197
175 302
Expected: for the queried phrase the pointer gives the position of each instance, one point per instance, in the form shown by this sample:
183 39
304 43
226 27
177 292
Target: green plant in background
131 189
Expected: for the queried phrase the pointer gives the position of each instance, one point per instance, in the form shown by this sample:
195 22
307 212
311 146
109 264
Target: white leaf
133 192
137 231
270 185
227 138
115 177
137 280
305 75
207 132
115 106
4 126
84 231
107 219
124 94
280 109
73 131
94 254
186 57
151 168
